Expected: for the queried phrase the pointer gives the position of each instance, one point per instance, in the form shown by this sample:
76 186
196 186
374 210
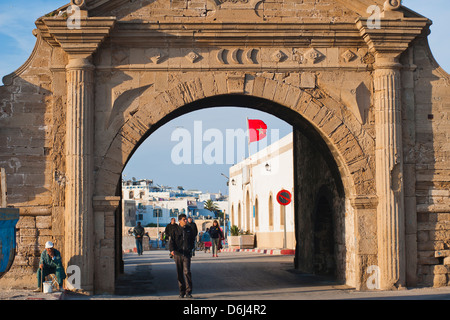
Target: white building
253 187
156 204
129 213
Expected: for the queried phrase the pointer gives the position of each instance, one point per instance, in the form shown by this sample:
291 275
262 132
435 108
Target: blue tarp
8 220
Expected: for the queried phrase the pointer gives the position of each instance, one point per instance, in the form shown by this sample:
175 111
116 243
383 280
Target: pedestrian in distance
216 236
139 232
193 225
181 245
169 231
206 239
49 263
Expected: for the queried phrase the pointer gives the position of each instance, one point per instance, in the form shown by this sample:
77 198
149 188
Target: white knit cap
48 245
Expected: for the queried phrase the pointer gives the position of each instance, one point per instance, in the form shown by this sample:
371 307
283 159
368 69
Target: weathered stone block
43 222
440 280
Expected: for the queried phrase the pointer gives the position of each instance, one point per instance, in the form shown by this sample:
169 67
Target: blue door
8 221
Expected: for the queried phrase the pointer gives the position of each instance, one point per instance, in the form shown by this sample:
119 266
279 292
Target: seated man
49 263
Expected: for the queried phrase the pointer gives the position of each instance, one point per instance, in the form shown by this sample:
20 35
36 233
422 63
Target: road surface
240 276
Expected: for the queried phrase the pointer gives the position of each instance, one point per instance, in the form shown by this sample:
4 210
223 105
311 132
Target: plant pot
233 241
246 241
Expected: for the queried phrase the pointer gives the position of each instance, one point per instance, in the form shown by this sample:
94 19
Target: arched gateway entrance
129 67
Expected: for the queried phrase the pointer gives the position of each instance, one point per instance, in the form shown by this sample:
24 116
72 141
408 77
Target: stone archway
314 113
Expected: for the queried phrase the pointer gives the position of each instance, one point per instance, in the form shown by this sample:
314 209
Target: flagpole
251 180
248 138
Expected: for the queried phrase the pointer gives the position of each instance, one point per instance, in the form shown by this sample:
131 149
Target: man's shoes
37 290
181 295
189 296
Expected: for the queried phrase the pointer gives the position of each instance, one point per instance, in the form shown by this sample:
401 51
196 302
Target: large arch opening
315 166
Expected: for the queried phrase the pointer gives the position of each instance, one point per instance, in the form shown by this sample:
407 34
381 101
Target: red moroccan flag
257 130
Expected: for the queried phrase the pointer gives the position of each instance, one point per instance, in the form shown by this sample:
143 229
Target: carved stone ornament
192 56
297 56
278 56
348 56
237 56
78 3
313 55
157 57
391 5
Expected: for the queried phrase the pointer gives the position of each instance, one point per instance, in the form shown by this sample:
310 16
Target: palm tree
211 206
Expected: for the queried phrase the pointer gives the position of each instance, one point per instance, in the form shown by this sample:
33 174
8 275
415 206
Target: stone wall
428 129
31 151
314 172
339 78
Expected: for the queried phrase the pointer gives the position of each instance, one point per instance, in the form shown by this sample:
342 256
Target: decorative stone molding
394 36
237 56
313 55
368 202
78 3
278 56
82 42
193 56
392 5
298 56
348 56
158 56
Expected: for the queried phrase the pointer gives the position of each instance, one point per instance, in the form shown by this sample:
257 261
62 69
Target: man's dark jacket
170 229
182 241
139 231
193 225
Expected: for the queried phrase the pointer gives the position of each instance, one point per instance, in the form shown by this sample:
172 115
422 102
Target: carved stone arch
349 145
332 128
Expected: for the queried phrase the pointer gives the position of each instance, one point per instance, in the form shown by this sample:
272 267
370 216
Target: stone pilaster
80 43
389 172
387 43
79 174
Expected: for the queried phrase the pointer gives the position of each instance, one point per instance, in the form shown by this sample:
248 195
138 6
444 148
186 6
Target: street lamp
228 182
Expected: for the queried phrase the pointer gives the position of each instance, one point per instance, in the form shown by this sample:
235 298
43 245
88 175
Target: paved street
239 276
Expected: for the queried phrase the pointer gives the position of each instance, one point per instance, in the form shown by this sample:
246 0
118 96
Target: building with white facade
253 187
157 205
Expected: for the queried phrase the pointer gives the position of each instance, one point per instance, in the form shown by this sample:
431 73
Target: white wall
267 172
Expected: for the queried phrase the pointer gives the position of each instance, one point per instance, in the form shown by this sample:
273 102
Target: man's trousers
58 271
183 264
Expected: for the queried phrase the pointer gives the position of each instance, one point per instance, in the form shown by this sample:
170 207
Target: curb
289 252
264 251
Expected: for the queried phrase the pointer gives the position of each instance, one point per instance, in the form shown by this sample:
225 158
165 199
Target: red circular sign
284 197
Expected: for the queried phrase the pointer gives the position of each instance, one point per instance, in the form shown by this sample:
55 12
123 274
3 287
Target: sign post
284 198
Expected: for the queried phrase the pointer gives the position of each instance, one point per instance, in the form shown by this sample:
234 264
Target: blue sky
153 159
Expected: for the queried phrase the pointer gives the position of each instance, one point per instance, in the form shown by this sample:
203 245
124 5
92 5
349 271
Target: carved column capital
387 61
80 40
77 63
394 35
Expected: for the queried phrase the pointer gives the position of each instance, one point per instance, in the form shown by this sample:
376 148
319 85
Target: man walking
139 235
181 245
169 232
194 228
